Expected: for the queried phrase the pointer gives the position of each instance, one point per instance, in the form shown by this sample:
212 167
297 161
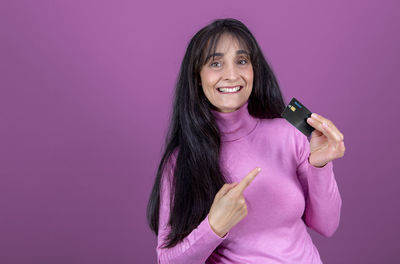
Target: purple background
85 95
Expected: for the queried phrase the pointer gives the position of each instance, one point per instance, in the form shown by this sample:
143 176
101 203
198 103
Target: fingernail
325 124
258 169
314 115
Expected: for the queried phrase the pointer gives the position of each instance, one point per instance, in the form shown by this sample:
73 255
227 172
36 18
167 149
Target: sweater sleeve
194 248
323 201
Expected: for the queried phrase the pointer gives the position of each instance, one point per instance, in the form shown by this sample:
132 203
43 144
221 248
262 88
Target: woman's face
227 80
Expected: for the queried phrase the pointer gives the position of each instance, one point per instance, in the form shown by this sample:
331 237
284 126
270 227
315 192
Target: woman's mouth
229 90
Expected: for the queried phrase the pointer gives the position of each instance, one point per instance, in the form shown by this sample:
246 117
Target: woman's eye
215 64
243 62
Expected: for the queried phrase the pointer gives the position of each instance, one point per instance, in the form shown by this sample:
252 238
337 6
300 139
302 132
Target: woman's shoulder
279 129
276 125
282 133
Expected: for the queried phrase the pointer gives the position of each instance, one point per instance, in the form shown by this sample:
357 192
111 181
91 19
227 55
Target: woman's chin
229 108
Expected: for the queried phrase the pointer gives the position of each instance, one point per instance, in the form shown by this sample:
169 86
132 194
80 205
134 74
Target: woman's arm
323 201
194 248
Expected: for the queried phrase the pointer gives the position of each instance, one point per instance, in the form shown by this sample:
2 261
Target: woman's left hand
326 142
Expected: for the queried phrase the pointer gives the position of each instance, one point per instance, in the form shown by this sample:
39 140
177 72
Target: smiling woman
227 76
234 184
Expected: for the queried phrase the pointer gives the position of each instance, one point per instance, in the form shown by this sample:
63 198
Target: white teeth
229 90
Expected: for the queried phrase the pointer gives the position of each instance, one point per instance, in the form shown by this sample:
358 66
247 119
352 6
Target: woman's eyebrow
219 54
242 52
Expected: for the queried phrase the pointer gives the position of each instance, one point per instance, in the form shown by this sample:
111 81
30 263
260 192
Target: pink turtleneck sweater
274 230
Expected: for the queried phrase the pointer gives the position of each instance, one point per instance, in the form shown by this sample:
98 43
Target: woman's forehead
224 42
228 41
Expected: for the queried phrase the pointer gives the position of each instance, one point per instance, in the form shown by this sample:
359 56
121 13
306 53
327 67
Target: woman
226 132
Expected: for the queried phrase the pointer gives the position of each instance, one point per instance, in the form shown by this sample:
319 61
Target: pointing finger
225 188
246 180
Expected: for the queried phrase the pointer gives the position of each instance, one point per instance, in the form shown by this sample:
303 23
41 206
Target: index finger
247 180
331 129
326 120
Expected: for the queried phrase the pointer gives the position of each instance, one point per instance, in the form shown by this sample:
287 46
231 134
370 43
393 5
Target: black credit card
296 113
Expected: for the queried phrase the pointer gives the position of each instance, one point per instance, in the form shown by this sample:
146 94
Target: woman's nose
230 72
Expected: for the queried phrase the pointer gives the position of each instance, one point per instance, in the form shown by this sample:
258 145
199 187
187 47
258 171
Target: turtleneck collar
235 125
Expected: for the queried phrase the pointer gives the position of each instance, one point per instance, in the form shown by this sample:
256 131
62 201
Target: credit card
296 113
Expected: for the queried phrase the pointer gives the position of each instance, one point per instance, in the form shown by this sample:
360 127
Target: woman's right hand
229 205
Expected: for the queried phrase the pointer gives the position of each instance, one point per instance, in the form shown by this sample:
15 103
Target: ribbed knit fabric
287 188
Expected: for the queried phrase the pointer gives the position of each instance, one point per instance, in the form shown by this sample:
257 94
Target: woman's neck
235 125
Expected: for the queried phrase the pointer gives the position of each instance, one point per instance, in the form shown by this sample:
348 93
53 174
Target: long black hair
194 135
